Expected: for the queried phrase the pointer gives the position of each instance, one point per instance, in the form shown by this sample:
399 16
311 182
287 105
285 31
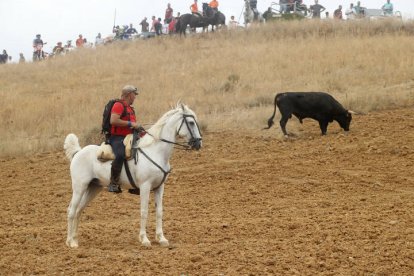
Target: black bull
319 106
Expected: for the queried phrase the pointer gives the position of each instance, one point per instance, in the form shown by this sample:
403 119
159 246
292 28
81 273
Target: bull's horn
352 112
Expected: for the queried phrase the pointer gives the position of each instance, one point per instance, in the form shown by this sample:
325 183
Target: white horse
249 15
89 175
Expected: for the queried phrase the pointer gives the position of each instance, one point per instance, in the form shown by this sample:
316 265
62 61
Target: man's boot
114 186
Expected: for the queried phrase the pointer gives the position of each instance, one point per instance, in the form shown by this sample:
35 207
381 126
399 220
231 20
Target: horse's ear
182 106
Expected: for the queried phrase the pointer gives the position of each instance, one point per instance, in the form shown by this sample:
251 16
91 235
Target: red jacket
127 113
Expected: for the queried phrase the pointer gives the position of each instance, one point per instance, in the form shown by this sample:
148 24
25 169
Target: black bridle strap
158 166
188 127
129 175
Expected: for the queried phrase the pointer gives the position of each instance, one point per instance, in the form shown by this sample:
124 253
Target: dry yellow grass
228 78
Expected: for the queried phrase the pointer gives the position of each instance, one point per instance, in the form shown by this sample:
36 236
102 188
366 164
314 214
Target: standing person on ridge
144 25
22 59
253 6
79 41
350 12
168 14
123 121
37 42
338 13
388 8
316 9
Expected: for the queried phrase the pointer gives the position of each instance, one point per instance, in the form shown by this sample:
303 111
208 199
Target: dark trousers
118 147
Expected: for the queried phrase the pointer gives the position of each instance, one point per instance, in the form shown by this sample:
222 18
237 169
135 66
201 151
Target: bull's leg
324 126
283 122
144 195
158 208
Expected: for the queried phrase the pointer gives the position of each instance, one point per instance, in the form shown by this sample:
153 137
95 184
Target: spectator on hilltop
171 25
268 13
388 8
79 41
156 25
21 58
37 47
338 13
350 12
284 6
233 24
144 25
4 57
69 46
99 40
359 11
168 14
316 9
253 6
131 31
58 49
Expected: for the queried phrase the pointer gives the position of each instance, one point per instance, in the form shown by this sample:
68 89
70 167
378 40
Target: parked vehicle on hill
293 11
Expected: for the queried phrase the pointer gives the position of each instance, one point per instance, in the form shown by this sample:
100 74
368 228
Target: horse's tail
71 146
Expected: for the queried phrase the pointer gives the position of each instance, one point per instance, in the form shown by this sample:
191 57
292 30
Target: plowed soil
248 203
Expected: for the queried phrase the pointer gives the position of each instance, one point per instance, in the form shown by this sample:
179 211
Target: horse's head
208 11
188 128
205 7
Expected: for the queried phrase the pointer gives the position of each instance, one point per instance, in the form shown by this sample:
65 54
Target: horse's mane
155 130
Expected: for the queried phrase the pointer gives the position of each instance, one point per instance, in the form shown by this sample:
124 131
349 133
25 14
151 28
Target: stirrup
113 188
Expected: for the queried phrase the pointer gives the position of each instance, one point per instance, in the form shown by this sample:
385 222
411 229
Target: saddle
105 152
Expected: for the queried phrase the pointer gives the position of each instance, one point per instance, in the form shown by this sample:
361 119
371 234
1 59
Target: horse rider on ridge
214 5
194 9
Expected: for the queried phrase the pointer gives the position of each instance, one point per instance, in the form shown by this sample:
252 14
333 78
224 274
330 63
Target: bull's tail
71 146
270 122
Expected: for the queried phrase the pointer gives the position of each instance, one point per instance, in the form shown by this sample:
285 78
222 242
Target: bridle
191 143
192 140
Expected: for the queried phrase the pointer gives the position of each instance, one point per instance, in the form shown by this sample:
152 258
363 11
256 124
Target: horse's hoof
164 243
146 243
72 244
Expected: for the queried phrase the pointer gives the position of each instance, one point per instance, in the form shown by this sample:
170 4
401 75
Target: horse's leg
159 234
144 195
78 192
93 189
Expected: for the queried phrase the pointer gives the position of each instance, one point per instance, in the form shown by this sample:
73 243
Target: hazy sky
62 20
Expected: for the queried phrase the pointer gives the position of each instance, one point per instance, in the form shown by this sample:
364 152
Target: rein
155 164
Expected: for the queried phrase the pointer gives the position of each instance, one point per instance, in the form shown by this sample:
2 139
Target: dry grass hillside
228 78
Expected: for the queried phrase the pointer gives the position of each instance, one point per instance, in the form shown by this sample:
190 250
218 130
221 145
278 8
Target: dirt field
246 204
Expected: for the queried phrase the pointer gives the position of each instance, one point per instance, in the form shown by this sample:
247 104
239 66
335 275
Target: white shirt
350 13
